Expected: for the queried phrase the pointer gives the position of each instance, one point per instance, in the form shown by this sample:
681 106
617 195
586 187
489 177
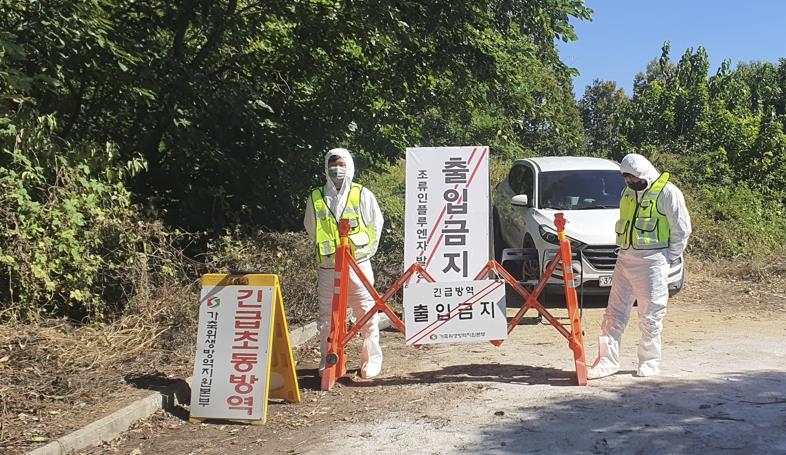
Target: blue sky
624 36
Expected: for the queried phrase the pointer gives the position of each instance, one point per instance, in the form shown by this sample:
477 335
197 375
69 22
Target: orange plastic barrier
574 333
335 366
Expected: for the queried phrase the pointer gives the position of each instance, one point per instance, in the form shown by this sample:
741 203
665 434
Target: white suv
587 190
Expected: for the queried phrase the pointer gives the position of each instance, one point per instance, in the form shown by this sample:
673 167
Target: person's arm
676 212
309 221
372 215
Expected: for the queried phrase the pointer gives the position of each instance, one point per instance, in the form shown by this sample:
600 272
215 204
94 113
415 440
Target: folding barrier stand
574 335
520 259
335 361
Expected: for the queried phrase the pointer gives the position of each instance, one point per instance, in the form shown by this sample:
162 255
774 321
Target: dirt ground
722 390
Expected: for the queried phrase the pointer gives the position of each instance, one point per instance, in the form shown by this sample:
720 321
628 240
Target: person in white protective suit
340 198
652 232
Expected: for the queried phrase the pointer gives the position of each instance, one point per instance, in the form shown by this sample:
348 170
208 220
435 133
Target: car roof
567 163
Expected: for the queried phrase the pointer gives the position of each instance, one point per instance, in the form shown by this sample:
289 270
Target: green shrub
734 222
71 233
387 182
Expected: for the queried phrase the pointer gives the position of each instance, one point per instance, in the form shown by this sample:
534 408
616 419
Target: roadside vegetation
143 144
148 144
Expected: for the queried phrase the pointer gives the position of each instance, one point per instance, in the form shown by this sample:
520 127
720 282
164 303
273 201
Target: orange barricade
335 366
335 362
574 334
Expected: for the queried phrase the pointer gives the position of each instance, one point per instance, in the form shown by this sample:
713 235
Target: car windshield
580 189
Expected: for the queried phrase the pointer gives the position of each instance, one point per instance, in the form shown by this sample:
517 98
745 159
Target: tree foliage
604 111
232 103
721 134
213 114
71 233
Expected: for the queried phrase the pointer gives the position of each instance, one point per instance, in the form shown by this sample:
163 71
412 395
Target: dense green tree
765 163
232 103
727 128
761 79
780 104
670 100
691 92
604 111
727 88
721 141
650 116
217 112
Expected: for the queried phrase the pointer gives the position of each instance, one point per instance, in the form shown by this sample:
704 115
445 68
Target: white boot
371 351
608 361
370 370
647 369
649 355
603 367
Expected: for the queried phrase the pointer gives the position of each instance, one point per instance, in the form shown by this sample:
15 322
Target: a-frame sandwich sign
243 353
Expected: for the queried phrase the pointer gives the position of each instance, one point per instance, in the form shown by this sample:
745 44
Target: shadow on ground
488 372
174 391
738 413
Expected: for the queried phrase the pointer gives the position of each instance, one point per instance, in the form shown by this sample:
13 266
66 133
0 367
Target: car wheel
530 268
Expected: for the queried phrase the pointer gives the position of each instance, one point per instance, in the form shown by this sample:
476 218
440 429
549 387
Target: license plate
604 281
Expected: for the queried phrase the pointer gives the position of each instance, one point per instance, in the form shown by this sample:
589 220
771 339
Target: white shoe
603 367
645 371
370 372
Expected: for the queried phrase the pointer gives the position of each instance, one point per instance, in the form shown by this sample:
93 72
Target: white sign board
447 211
455 312
233 340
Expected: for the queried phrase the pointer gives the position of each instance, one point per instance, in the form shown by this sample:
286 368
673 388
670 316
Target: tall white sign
447 211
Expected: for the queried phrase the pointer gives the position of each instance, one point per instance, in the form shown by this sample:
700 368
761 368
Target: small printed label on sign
604 281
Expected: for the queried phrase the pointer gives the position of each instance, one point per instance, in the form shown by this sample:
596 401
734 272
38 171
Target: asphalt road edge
111 426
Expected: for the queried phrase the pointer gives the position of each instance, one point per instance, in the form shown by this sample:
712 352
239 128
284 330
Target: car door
525 184
502 194
513 220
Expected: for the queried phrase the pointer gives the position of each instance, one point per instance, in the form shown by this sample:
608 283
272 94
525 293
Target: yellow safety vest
641 225
327 236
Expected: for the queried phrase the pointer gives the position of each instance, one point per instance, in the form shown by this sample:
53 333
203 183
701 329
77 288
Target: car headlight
547 234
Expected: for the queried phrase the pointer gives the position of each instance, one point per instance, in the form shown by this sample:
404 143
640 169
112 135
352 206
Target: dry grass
57 376
767 270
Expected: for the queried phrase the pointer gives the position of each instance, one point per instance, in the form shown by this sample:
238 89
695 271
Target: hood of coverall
639 167
337 198
345 155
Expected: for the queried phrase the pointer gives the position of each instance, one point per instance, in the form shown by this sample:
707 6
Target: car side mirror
520 200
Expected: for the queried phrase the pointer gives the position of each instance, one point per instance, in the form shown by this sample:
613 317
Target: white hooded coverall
359 299
641 276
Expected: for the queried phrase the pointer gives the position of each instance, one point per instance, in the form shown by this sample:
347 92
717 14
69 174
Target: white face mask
337 174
